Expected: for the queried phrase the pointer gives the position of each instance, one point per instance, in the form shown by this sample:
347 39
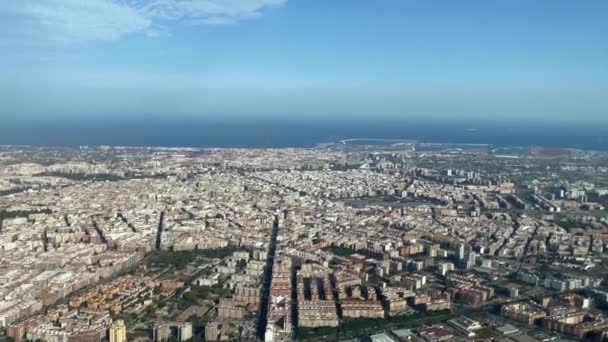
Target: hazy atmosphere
406 59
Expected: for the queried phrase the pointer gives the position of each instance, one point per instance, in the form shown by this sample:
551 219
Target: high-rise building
472 260
184 331
118 331
461 251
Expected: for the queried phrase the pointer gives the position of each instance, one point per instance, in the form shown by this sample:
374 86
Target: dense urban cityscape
348 241
306 171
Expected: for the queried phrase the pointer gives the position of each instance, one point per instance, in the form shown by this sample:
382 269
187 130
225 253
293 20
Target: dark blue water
281 132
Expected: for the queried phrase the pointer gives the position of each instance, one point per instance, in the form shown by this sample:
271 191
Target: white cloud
69 21
65 21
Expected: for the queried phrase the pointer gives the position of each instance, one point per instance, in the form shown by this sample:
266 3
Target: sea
276 132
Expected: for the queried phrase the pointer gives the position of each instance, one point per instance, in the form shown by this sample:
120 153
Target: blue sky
514 59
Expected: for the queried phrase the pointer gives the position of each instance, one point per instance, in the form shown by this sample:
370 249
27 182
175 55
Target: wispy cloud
70 21
209 11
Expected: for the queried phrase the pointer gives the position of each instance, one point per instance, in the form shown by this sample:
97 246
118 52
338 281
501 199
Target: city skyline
293 59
